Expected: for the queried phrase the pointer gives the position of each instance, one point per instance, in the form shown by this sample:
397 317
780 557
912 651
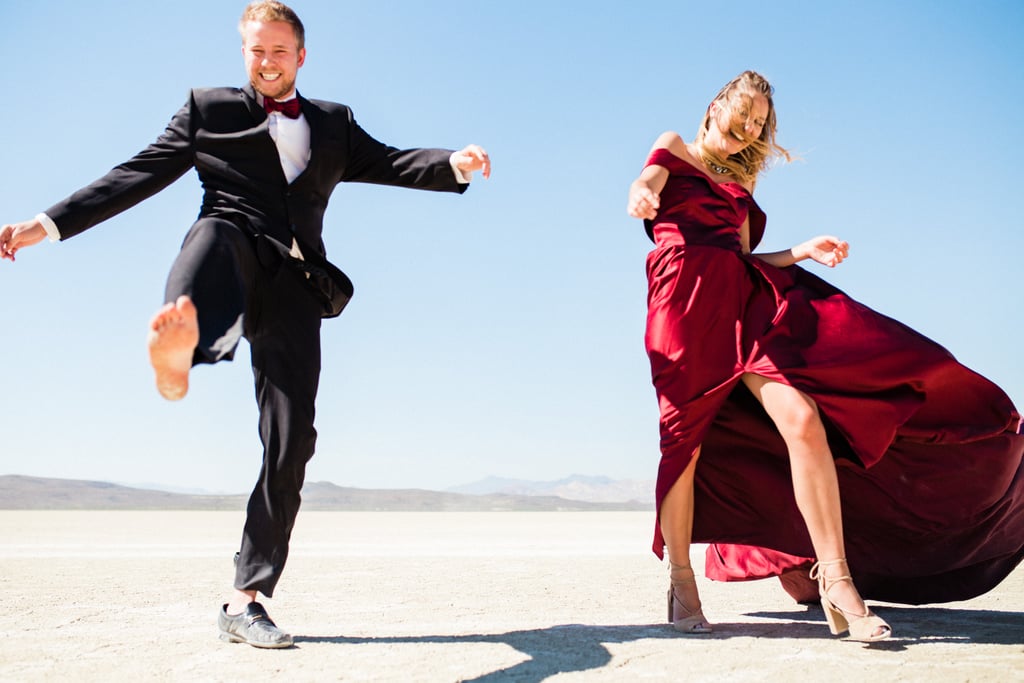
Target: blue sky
500 332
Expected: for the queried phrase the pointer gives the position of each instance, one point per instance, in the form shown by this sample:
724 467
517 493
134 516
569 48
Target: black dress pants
273 308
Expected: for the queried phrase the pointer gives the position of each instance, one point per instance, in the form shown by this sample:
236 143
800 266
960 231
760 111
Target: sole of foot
172 339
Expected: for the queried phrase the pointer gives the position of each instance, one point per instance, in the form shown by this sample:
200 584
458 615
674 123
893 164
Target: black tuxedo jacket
223 134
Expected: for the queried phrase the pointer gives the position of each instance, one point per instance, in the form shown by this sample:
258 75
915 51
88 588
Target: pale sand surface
112 596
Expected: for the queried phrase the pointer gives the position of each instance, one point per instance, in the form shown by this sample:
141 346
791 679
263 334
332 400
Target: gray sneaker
253 626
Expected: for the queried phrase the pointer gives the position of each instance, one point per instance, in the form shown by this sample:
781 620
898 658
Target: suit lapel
259 116
248 95
314 118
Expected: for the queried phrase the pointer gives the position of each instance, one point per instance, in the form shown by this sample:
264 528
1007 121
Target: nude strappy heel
864 628
693 621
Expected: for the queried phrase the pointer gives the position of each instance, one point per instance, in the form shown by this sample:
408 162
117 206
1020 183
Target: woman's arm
645 191
825 249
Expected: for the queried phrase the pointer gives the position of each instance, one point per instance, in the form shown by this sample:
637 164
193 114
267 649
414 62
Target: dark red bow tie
291 108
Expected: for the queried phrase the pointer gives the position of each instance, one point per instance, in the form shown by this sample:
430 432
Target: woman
793 397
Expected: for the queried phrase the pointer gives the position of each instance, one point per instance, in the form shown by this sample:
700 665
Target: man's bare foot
173 336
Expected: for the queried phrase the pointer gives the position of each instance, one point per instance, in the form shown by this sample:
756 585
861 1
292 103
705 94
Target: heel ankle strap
674 569
827 582
816 570
826 563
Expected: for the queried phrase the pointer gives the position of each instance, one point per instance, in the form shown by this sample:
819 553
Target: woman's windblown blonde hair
760 154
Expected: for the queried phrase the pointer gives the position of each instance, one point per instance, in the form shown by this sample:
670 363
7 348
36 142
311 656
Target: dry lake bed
496 596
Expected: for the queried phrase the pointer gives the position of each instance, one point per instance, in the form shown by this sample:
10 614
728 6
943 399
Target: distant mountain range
37 493
575 487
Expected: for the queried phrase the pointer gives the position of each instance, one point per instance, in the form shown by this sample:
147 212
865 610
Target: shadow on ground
579 647
918 625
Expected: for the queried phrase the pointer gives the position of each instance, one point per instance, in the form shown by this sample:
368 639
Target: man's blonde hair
270 10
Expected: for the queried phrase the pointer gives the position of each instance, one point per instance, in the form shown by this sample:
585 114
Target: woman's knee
794 413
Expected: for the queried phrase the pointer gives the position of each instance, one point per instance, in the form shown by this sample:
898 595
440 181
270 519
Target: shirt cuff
463 178
49 226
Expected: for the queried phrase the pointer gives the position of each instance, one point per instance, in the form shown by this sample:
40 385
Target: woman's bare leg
676 521
815 483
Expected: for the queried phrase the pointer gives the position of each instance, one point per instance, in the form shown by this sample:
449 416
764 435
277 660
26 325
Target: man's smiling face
272 57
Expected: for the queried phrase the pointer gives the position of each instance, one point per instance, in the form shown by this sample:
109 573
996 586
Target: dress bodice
697 210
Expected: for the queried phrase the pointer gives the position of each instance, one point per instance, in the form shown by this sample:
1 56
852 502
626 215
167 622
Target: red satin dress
928 453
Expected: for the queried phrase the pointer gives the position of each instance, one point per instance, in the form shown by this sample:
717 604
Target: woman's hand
643 202
825 249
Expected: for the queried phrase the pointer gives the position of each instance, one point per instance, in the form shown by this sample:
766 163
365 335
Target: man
254 264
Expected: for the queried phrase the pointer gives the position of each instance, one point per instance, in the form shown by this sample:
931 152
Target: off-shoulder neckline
706 174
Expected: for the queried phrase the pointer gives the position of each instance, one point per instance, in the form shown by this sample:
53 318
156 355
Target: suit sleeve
371 161
131 182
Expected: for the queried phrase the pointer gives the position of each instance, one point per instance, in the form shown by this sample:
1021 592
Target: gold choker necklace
707 159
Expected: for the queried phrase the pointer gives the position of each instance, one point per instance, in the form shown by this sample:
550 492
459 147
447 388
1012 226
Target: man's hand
472 158
17 235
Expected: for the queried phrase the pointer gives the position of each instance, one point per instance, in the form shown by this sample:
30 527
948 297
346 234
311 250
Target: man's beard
278 91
